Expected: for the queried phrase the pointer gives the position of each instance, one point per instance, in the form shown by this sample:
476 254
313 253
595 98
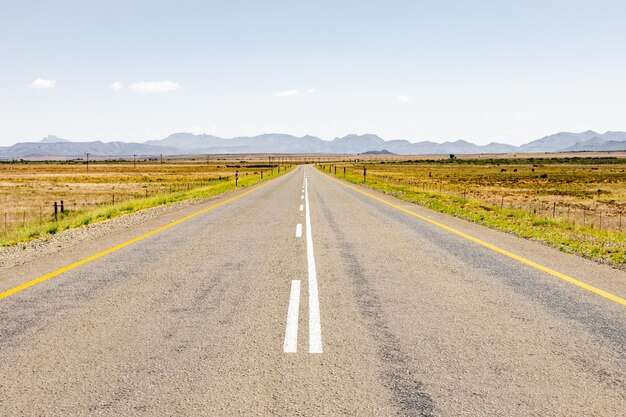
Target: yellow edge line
528 262
124 244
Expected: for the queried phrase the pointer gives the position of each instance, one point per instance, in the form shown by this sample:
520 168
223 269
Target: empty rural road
306 296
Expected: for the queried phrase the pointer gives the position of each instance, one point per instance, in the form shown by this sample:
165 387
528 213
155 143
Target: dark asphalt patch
399 377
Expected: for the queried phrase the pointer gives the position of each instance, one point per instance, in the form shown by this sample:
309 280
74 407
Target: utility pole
161 159
87 161
134 161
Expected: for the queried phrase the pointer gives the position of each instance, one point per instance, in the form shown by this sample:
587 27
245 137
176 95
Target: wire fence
591 213
68 203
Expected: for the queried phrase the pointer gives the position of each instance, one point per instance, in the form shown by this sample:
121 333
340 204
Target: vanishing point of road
306 295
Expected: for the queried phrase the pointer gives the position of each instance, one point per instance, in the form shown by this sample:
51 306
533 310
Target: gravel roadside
22 253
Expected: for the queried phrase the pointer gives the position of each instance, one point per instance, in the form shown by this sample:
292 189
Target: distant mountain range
188 143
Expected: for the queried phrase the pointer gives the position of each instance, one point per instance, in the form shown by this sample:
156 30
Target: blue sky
507 71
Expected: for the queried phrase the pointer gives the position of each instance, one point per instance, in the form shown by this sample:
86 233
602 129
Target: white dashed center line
315 327
291 331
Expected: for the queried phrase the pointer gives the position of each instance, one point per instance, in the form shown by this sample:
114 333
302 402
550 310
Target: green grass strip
599 245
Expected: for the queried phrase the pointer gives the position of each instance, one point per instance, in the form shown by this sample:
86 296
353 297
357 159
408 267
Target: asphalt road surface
305 296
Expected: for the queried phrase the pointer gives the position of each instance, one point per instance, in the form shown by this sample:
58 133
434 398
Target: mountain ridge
188 143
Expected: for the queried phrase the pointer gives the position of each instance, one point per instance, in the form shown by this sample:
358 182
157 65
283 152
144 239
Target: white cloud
403 99
287 93
42 84
311 90
154 86
116 86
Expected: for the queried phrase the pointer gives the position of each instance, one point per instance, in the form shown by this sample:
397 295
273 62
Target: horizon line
303 136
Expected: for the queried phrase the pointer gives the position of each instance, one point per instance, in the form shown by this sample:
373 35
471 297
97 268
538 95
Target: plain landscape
409 208
374 306
574 202
200 251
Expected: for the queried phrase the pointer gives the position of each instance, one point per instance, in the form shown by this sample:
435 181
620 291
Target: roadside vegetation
28 190
573 204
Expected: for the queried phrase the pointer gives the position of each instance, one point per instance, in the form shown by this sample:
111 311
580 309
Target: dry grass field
576 204
28 189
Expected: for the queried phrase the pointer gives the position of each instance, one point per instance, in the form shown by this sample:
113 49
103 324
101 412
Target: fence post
237 176
344 172
56 210
62 208
364 175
